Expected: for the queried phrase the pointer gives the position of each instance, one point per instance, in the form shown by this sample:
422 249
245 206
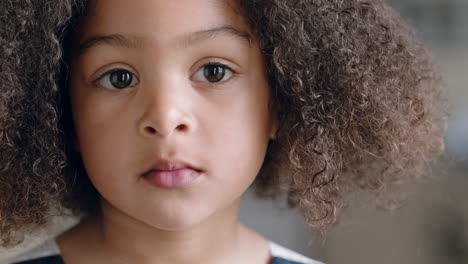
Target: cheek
241 136
99 131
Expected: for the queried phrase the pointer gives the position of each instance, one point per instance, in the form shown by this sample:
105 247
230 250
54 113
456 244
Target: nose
166 112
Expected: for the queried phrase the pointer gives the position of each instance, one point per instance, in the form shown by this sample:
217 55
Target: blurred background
432 226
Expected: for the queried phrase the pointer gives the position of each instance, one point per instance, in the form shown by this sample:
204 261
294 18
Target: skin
171 111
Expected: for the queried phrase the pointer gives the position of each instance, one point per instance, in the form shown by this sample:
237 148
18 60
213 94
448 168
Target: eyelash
212 63
215 63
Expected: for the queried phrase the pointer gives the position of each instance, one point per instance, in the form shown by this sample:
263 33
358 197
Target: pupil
121 79
214 73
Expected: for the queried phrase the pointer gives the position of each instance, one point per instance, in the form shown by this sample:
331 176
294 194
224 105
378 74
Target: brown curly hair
358 102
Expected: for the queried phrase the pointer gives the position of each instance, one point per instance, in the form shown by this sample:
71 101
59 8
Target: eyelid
103 81
216 62
109 69
219 61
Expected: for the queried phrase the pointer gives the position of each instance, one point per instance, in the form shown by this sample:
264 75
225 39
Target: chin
176 220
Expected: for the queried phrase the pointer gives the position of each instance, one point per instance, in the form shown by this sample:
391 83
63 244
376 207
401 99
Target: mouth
171 174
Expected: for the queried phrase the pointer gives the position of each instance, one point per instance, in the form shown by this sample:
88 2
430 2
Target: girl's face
154 82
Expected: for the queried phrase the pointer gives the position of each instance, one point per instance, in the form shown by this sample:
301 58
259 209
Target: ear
274 122
274 126
274 130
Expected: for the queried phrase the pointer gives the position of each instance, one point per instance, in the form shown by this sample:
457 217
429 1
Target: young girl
158 115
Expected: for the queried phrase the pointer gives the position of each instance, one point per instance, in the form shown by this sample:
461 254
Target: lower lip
172 179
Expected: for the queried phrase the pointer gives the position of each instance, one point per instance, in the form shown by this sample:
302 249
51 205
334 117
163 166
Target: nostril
182 127
150 130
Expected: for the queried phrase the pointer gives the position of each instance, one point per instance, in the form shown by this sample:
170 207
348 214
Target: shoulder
282 255
46 253
56 259
49 253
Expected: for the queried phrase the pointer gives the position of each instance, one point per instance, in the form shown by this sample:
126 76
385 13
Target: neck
122 239
134 240
114 237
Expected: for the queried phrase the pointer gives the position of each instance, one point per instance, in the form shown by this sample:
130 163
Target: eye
117 79
213 72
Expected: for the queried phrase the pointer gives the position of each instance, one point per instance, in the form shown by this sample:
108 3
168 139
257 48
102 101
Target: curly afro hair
358 102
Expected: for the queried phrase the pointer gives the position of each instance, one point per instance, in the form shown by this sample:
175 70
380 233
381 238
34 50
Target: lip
171 174
172 179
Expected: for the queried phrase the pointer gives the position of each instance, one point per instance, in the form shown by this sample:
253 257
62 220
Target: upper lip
169 165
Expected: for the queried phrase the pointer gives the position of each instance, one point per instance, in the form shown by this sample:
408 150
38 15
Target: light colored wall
432 227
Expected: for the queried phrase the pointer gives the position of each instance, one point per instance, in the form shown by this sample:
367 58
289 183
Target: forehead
158 20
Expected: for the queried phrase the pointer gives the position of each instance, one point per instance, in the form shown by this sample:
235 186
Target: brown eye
213 73
118 79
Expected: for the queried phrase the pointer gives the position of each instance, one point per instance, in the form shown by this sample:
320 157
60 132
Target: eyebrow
184 42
